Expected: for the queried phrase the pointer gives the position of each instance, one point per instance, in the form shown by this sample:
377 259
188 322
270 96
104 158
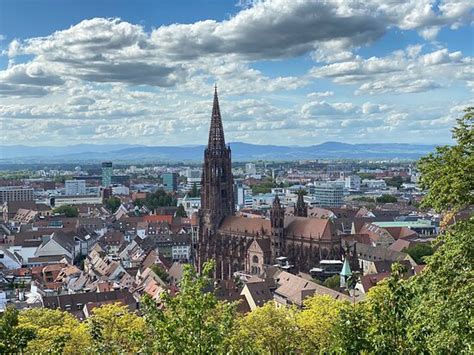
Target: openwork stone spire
216 132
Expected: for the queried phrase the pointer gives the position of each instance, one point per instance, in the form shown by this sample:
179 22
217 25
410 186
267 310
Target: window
255 259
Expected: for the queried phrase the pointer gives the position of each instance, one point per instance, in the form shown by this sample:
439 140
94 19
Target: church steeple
216 142
217 196
301 210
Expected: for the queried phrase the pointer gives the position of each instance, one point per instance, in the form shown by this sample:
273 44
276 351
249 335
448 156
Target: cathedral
239 243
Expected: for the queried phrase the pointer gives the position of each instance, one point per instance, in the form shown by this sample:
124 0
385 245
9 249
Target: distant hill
240 152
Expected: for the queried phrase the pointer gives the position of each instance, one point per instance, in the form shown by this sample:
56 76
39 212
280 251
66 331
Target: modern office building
58 201
329 194
107 173
15 193
170 181
193 177
75 187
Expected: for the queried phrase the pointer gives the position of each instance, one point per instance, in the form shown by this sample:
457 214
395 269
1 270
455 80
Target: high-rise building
107 171
15 193
75 187
329 194
170 181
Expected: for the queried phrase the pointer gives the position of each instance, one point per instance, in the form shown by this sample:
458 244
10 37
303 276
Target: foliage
386 199
364 199
266 330
442 314
194 191
13 338
115 330
350 330
388 303
113 203
181 212
316 323
447 173
158 199
68 211
418 252
364 176
395 181
333 282
158 270
56 331
193 321
264 187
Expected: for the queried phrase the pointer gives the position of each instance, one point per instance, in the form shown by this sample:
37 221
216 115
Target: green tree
113 203
418 252
350 330
160 272
386 199
395 181
333 282
67 210
191 322
442 313
316 323
447 173
159 199
388 304
13 338
56 331
266 330
181 212
115 330
194 191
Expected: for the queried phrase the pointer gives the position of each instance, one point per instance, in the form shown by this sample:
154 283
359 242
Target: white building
191 204
120 190
58 201
75 187
250 169
352 182
374 184
329 194
193 177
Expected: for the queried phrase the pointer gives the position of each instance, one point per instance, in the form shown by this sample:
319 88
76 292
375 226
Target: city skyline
288 72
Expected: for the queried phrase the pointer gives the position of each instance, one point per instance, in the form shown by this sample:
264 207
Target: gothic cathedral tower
277 221
217 194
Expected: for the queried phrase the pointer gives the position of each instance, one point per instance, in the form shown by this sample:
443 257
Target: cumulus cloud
405 71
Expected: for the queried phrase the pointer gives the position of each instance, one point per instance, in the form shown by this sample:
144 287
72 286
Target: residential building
352 182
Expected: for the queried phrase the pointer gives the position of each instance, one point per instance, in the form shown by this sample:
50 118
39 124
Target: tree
56 331
115 330
191 322
67 210
113 203
316 323
333 282
266 330
350 330
386 199
442 314
13 338
418 252
159 199
395 181
447 173
181 212
194 191
160 272
388 304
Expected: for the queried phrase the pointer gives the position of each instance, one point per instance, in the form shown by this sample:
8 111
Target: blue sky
289 72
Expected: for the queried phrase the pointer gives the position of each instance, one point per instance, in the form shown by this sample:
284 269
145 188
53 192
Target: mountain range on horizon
240 152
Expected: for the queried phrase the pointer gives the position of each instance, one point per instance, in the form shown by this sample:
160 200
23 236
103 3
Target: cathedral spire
216 131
